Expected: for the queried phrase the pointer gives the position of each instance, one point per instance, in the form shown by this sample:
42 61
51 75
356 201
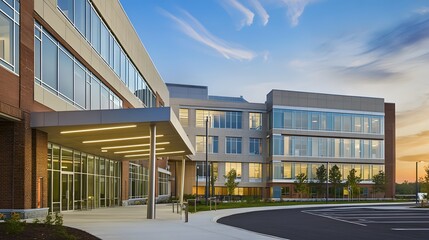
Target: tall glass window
201 144
255 121
9 35
86 20
233 145
61 73
255 172
138 181
255 146
184 116
219 119
232 165
163 188
77 180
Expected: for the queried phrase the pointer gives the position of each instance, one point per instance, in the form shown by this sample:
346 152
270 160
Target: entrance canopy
119 134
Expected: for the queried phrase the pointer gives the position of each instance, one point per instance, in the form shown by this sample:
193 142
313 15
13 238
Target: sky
375 48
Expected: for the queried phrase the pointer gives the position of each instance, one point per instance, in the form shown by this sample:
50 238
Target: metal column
182 182
151 214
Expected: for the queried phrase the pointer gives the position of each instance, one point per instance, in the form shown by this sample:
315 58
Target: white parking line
341 220
410 229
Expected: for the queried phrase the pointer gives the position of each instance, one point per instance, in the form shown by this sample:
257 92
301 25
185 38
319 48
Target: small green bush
14 225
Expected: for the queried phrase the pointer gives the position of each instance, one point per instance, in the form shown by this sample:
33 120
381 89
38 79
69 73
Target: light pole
196 182
417 182
207 160
327 181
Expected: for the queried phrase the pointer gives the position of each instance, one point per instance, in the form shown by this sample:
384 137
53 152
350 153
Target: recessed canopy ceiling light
135 145
119 139
98 129
134 151
147 154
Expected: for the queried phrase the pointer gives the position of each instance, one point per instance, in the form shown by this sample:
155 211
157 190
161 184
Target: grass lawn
243 204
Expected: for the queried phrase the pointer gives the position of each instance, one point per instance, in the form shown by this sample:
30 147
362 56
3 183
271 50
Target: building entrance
66 191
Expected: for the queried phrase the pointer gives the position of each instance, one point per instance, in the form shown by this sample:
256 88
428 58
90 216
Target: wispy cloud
195 30
422 10
260 10
246 12
295 8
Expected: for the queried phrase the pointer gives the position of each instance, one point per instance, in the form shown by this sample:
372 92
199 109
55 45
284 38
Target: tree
230 183
321 177
335 178
379 181
353 181
301 184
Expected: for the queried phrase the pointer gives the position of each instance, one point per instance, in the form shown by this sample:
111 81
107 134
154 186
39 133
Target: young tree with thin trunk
335 178
379 181
230 183
321 177
353 182
301 184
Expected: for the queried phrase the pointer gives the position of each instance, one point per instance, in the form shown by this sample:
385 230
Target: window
49 60
285 191
218 119
66 75
163 188
236 166
201 144
184 116
57 70
255 121
233 145
255 146
255 172
84 17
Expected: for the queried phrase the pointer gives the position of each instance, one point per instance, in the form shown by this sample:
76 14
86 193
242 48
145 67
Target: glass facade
60 72
78 180
289 170
233 145
163 184
86 20
184 116
255 121
255 146
255 172
219 119
200 144
233 165
9 34
138 181
327 121
300 146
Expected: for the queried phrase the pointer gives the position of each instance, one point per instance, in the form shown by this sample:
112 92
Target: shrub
14 225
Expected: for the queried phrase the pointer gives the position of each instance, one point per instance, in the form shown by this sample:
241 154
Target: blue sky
377 48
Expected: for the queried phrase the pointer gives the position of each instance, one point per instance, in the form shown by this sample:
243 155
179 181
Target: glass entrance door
66 191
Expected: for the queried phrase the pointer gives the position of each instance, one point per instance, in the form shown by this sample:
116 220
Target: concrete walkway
131 223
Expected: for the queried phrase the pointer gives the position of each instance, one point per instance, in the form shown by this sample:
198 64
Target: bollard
186 206
173 205
177 207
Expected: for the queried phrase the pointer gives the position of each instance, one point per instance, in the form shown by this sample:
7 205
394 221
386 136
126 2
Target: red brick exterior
390 148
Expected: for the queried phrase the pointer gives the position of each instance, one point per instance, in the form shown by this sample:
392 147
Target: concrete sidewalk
131 223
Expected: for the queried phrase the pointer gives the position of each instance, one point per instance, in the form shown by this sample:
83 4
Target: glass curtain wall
200 144
58 71
139 181
85 18
79 180
327 121
327 147
219 119
163 184
9 34
289 170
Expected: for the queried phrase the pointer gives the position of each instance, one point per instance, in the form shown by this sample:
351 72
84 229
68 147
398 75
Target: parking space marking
410 229
365 216
333 218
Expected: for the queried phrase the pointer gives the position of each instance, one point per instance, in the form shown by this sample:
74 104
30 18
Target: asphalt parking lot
357 222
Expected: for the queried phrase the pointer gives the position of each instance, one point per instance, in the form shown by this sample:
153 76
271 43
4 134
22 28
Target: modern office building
84 116
270 143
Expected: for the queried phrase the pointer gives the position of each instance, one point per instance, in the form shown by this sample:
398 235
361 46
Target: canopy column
151 213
